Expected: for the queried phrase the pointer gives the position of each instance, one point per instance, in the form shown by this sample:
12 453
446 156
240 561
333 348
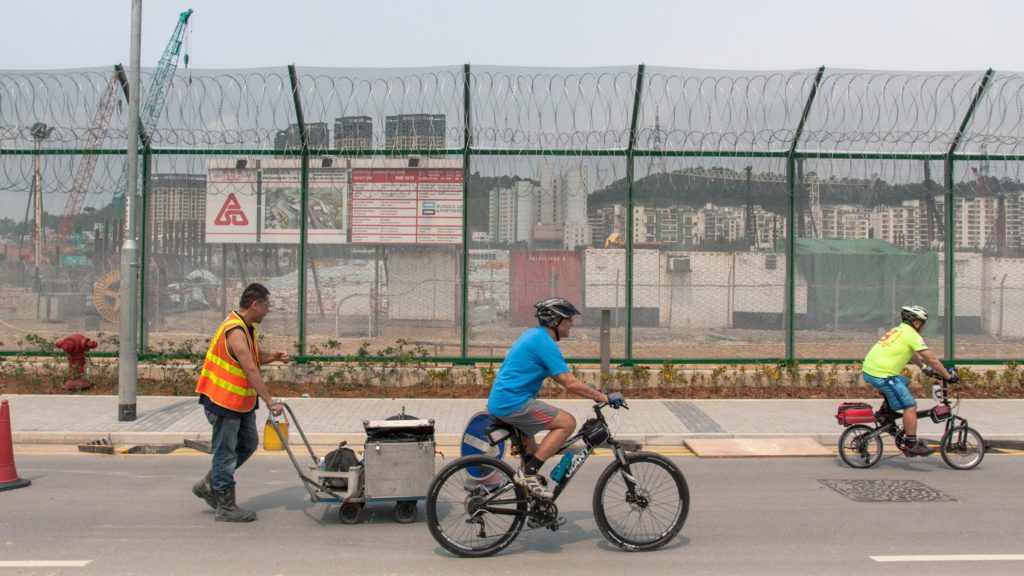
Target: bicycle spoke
649 516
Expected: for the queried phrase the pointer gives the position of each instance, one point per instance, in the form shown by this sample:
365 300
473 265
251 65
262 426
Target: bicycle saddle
498 431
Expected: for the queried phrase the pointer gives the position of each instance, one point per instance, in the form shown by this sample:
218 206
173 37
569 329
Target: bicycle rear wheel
962 447
652 516
473 507
857 450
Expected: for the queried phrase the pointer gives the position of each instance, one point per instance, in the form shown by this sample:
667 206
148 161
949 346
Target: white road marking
950 558
44 563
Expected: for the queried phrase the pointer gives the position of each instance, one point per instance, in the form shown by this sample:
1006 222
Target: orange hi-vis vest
223 381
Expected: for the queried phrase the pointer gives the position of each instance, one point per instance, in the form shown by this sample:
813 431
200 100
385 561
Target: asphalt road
136 515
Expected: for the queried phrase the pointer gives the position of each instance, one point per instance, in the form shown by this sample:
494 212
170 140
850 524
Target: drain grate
887 491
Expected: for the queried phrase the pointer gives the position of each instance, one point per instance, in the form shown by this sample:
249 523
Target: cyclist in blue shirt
532 358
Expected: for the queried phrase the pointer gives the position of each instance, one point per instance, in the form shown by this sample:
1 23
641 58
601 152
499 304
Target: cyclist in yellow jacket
229 387
883 369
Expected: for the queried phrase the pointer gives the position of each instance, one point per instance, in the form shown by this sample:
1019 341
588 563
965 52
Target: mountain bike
860 445
475 509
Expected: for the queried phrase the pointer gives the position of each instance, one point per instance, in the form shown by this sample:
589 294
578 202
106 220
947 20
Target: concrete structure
415 131
175 198
353 133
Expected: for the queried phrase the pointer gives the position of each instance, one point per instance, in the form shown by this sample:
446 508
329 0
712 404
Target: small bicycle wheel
653 513
473 507
405 511
857 450
962 447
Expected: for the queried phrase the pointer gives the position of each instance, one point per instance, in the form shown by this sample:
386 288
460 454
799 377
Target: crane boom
158 88
97 132
161 84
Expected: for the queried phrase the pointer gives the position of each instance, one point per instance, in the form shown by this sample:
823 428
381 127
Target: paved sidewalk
66 419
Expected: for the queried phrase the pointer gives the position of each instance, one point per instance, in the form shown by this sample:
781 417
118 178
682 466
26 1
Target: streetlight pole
127 369
40 132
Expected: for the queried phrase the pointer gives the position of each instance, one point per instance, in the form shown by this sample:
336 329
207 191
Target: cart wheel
405 511
350 512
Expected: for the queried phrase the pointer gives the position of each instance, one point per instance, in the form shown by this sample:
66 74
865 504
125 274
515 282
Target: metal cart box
397 469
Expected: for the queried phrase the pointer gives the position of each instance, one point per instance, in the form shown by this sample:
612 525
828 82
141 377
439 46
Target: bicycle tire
857 451
635 527
962 447
456 491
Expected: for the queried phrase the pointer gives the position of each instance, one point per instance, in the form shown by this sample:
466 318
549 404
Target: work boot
228 511
204 489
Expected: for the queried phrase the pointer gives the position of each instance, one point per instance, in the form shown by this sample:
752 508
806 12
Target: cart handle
306 481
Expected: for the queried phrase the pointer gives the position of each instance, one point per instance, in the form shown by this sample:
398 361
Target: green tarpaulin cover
869 280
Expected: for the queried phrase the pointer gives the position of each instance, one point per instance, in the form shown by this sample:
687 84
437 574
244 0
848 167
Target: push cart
397 466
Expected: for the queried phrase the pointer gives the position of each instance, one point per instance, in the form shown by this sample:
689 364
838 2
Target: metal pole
950 251
789 308
606 342
38 189
467 143
630 176
127 349
303 205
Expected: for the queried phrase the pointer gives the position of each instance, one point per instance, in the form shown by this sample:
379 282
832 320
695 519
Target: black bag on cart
340 460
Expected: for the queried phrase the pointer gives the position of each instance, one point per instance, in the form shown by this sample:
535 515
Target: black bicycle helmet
551 311
910 313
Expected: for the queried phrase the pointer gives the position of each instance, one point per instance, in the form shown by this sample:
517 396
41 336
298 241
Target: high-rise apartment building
174 198
353 133
415 131
291 139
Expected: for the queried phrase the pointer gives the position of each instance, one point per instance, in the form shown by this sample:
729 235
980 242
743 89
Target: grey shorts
535 416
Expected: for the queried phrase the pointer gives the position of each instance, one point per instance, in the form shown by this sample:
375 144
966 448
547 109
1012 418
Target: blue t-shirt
532 358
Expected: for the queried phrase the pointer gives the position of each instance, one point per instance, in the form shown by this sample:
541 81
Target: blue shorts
895 390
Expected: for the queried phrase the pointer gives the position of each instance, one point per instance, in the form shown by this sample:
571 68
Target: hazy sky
724 34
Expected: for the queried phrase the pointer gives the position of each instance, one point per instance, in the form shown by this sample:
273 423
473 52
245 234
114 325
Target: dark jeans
234 441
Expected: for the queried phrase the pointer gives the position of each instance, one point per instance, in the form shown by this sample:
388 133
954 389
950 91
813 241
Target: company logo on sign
231 213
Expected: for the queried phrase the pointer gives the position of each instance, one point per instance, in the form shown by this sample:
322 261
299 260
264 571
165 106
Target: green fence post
147 166
950 349
467 143
630 174
304 193
789 316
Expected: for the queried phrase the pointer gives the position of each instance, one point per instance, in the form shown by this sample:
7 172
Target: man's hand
275 406
616 400
280 356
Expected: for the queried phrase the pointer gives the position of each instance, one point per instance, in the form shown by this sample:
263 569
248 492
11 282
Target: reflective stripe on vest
223 380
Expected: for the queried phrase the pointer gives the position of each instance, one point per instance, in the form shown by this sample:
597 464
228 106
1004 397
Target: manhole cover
887 491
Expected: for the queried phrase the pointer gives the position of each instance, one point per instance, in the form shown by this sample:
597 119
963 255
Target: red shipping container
538 274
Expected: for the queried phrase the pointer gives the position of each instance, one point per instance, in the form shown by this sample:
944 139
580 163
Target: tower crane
97 132
106 291
101 123
158 88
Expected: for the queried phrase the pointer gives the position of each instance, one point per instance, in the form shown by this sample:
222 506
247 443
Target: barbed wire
539 110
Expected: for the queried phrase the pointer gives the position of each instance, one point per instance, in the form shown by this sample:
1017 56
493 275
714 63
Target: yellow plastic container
271 440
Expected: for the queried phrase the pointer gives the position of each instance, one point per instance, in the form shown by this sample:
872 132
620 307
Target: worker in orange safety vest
229 388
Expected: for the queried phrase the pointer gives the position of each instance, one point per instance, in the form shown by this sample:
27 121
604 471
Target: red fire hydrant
75 346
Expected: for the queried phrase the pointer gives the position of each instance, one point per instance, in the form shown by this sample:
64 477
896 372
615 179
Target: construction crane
106 291
158 89
97 132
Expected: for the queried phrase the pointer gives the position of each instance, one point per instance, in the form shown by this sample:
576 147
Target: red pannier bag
855 413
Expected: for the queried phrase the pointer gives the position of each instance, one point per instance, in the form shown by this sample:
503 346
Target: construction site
765 224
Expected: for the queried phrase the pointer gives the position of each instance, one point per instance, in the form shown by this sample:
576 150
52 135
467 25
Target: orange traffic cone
8 473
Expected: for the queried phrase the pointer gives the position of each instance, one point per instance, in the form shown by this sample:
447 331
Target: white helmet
910 313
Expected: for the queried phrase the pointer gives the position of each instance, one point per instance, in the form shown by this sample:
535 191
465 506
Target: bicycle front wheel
962 447
649 516
857 450
473 507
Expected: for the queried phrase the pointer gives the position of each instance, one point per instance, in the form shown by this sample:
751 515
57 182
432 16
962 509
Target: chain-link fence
720 216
